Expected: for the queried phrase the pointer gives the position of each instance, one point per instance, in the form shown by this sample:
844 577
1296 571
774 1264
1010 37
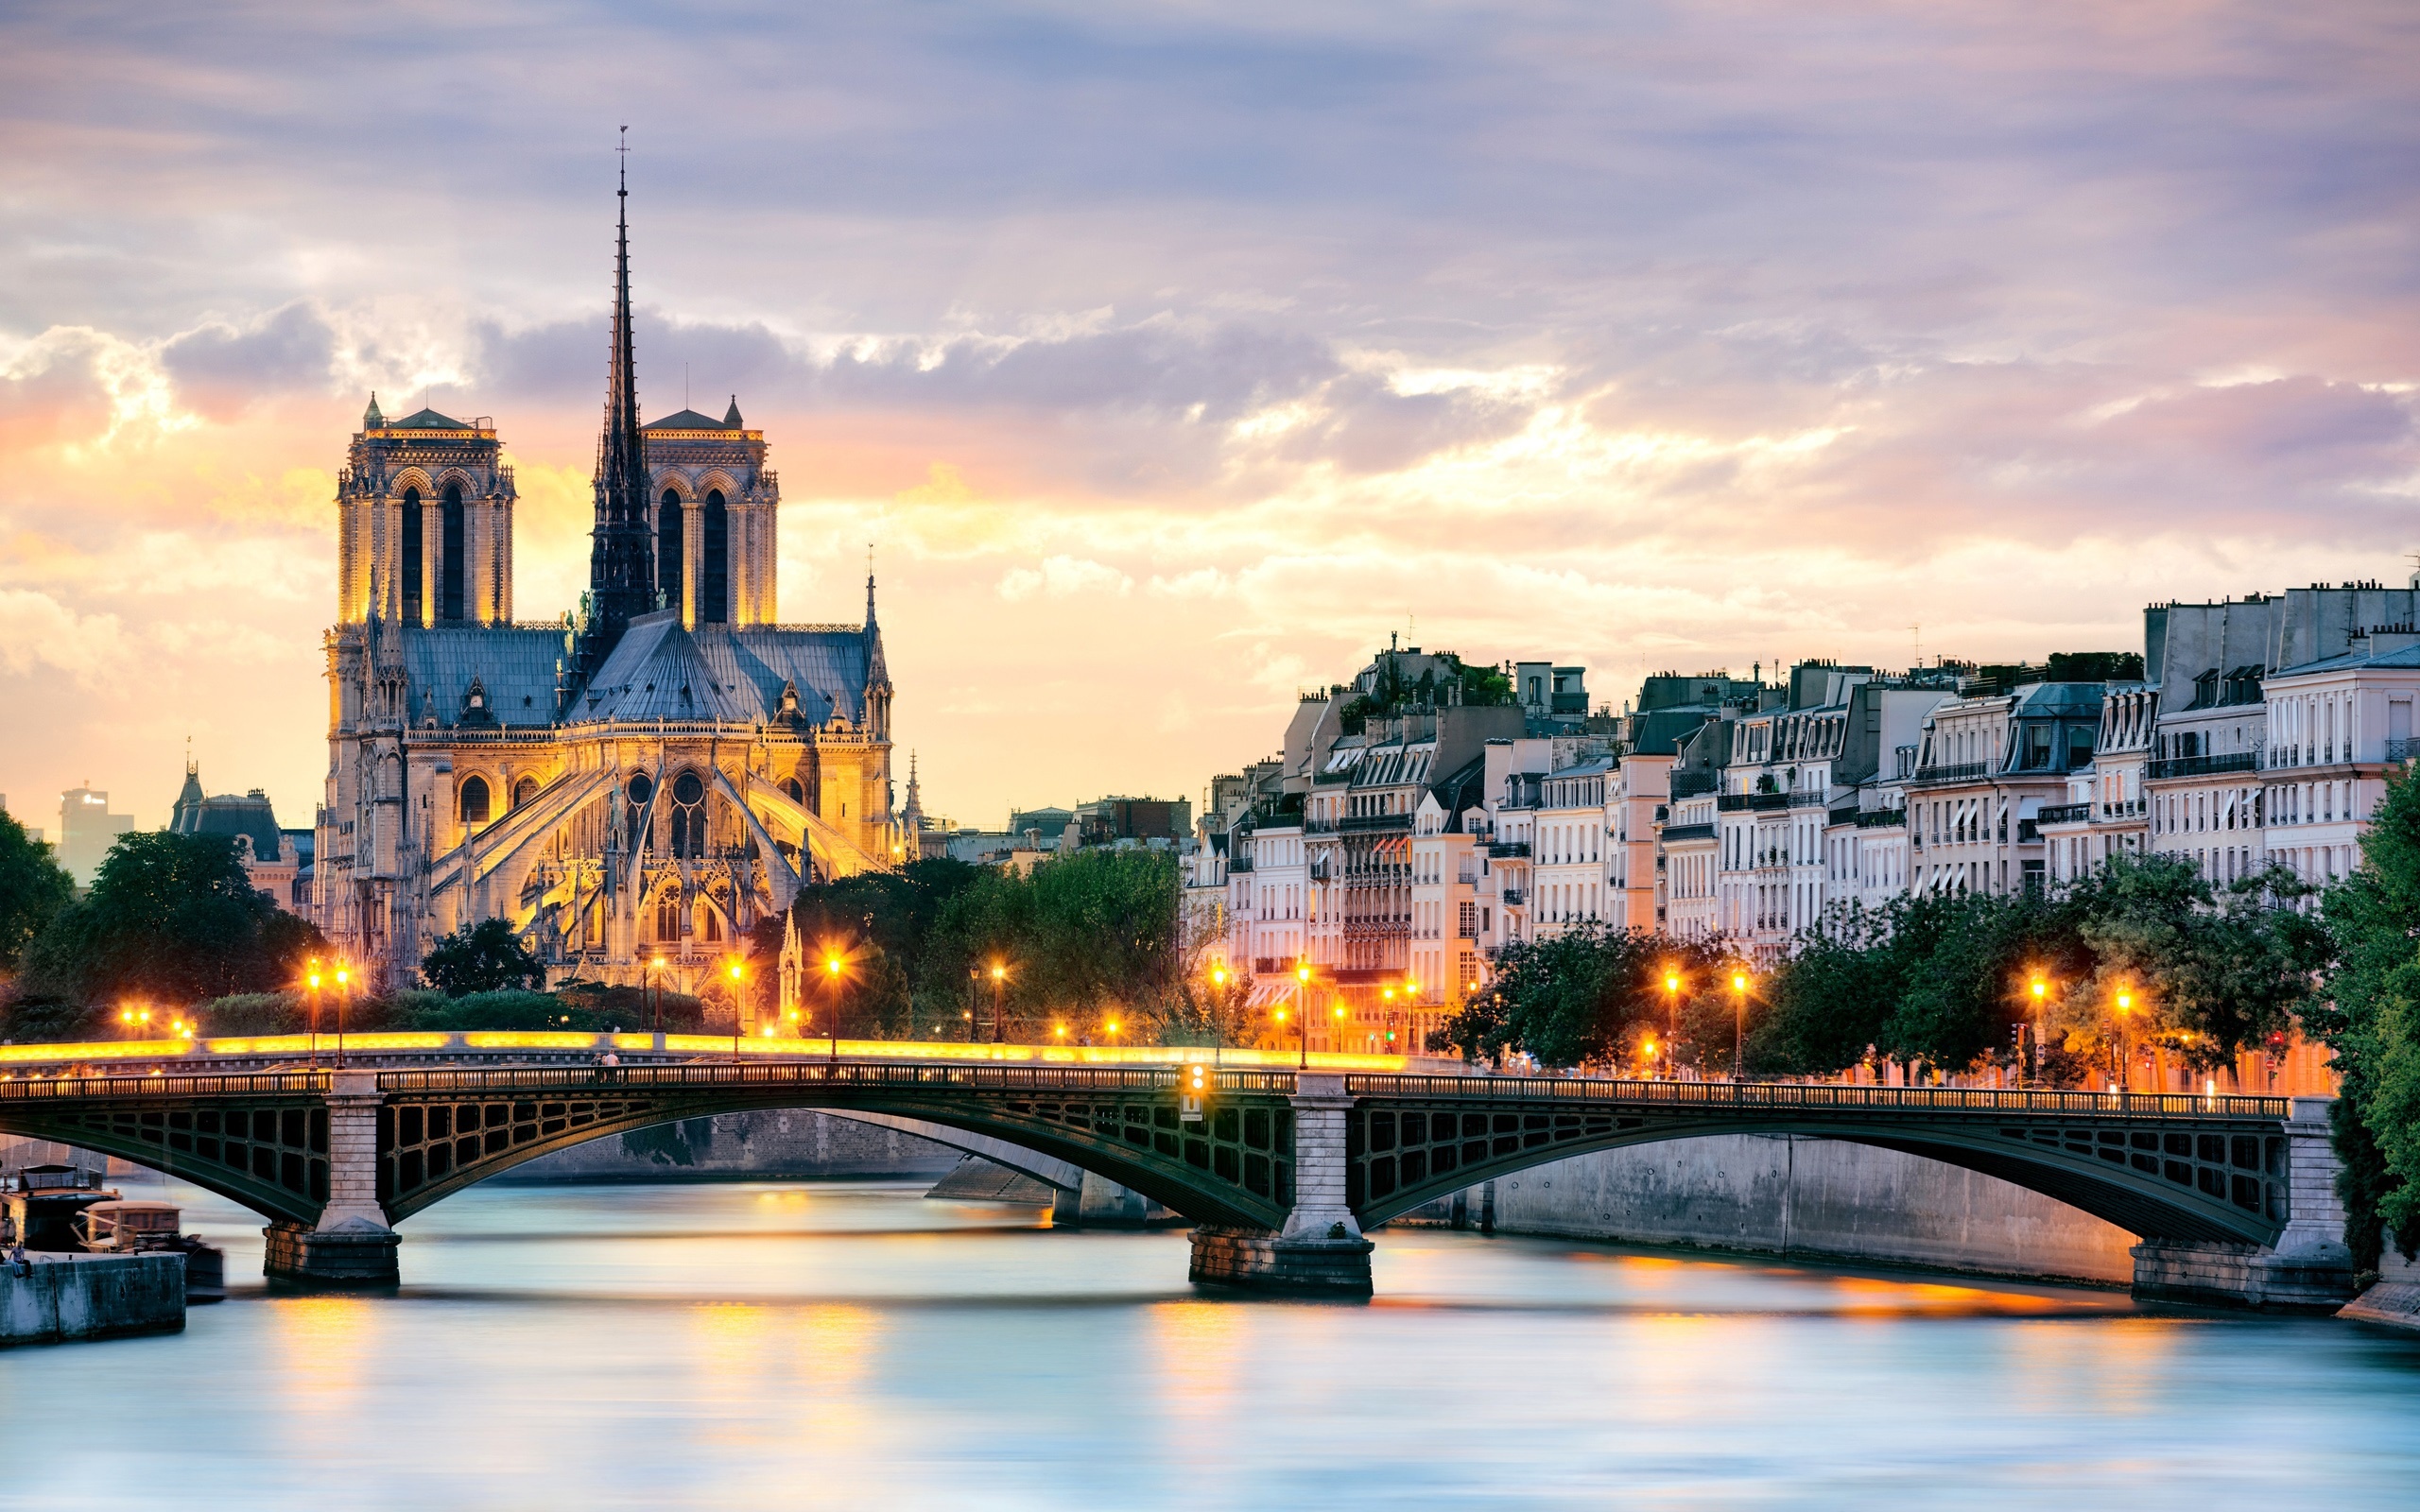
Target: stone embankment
2394 1300
54 1298
731 1146
1800 1198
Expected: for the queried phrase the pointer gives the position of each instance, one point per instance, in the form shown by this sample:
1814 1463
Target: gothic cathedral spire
621 560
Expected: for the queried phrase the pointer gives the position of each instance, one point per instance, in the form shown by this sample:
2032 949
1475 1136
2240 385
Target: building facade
631 787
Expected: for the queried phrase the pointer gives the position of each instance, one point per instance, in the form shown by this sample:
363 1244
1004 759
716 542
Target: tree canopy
482 957
170 918
34 888
2371 1018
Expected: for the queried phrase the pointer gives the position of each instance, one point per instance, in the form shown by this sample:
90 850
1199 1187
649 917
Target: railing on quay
159 1084
1758 1094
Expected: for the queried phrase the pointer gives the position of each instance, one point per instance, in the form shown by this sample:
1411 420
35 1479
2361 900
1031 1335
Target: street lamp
655 1008
833 974
1302 1020
736 1026
1217 1007
315 1012
2041 989
999 988
2125 1073
1672 1017
344 999
1738 1024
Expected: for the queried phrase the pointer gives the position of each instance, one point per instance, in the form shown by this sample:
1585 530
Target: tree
1592 996
170 918
2369 1015
1091 936
483 957
33 890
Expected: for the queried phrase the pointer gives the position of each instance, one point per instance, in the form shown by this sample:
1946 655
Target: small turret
730 417
370 418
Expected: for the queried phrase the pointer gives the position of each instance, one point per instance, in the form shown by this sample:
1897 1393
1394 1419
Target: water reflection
746 1345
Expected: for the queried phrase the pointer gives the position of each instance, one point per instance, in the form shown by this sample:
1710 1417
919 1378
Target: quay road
1281 1168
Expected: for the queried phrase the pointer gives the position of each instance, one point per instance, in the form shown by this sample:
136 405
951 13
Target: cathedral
636 783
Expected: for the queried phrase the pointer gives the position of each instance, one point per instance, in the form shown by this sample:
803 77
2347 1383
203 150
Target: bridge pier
2308 1270
1320 1252
350 1245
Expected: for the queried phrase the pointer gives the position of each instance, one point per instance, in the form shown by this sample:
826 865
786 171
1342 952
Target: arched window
668 548
641 788
709 924
714 563
798 793
449 585
688 817
524 790
475 800
668 919
411 555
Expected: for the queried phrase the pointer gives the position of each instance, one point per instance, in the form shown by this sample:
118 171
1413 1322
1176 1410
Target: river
747 1345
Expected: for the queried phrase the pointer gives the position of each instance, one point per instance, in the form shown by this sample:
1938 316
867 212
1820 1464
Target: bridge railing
240 1084
819 1074
1790 1095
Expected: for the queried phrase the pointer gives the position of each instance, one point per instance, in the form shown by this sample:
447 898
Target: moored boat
118 1227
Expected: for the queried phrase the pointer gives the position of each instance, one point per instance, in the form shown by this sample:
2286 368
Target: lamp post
1738 1024
1671 1018
344 1001
1301 1014
2124 1073
999 990
314 980
833 974
2041 989
1217 1002
655 997
738 1027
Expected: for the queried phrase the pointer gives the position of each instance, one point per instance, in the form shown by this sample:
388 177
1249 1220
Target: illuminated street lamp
655 999
2040 989
314 980
2125 1072
344 999
1302 1018
999 990
834 975
1738 1024
736 1026
1218 1009
1672 1017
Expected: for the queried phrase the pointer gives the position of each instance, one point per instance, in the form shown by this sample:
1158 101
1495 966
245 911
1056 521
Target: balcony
1735 802
1514 897
1509 850
2402 750
1881 819
1238 863
2237 760
1691 784
1805 797
1374 823
2065 813
1954 772
1676 834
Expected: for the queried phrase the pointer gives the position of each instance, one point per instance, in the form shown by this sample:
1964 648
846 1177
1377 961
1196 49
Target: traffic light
1193 1090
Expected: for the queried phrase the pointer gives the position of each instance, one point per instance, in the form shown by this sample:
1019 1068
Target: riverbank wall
63 1297
2394 1298
1797 1197
734 1146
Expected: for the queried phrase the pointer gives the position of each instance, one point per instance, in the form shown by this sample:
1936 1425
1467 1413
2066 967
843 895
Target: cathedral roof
229 814
427 420
657 672
514 665
689 420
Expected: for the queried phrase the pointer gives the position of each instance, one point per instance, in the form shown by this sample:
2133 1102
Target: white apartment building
2336 727
1569 868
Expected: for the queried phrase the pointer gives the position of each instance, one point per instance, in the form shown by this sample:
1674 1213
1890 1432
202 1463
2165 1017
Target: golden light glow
998 971
1303 974
1739 983
1671 983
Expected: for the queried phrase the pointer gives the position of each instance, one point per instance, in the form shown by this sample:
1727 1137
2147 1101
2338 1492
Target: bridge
1282 1172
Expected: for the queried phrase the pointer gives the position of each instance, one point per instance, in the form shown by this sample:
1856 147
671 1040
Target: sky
1173 357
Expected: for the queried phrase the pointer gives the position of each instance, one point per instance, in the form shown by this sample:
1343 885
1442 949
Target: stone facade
629 793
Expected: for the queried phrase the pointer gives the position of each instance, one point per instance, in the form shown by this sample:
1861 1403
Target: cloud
36 630
1065 577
